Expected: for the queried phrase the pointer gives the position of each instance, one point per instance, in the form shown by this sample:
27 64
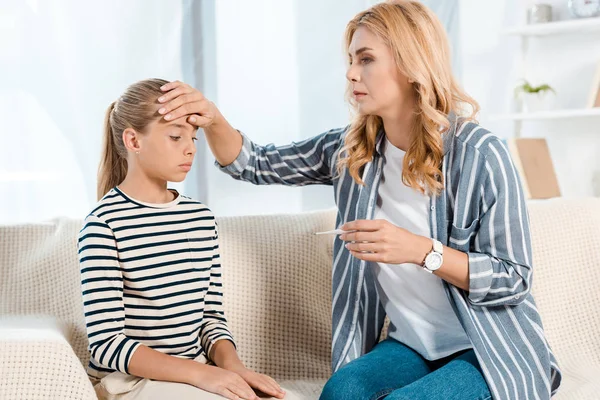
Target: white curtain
62 63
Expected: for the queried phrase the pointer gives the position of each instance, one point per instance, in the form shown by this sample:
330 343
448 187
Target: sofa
277 283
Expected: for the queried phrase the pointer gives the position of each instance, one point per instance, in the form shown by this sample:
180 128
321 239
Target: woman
150 268
438 235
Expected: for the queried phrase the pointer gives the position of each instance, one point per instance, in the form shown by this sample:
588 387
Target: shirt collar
446 137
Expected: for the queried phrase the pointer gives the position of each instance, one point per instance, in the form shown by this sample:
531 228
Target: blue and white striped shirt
481 211
150 274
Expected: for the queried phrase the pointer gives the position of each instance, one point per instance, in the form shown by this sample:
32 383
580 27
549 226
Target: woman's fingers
373 257
198 107
179 101
183 105
366 247
361 236
199 121
175 92
173 85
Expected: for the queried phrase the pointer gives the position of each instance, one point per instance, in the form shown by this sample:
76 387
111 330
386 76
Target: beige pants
120 386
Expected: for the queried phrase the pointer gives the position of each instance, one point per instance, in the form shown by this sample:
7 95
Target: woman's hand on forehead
181 99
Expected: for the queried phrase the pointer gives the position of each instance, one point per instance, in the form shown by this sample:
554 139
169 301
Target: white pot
533 102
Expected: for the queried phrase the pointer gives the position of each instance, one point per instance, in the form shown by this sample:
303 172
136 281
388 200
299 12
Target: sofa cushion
277 285
566 258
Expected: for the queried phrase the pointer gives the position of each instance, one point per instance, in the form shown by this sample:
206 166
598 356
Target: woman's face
167 149
379 88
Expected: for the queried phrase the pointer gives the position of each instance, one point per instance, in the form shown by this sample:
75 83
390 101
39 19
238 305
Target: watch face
584 8
433 261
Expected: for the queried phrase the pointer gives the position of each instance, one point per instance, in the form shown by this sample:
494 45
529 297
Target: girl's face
166 149
378 87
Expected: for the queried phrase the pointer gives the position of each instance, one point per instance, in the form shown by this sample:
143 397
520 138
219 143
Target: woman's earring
137 152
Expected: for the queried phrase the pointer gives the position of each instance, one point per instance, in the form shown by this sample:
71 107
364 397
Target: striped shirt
150 274
481 211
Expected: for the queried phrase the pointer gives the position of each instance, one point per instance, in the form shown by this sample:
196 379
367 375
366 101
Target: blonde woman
438 238
150 268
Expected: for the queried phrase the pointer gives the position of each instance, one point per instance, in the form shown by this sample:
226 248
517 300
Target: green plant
526 88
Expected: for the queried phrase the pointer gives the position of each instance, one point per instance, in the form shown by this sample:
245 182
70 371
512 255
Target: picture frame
594 96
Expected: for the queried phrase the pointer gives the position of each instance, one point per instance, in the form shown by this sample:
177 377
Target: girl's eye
175 138
366 60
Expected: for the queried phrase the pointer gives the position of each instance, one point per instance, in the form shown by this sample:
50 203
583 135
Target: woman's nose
352 74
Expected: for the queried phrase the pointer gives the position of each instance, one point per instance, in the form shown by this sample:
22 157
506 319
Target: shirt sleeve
500 269
102 290
214 325
312 161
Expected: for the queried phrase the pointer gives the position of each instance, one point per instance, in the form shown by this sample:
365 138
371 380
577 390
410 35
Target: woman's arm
497 270
500 262
382 241
311 161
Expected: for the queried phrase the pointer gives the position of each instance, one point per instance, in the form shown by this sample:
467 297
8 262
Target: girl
438 237
150 271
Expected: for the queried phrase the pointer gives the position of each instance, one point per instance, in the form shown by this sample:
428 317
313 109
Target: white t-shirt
415 301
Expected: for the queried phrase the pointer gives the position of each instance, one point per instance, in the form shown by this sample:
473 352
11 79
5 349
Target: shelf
549 114
554 28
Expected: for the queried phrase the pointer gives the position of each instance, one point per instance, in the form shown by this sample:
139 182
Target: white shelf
553 28
550 114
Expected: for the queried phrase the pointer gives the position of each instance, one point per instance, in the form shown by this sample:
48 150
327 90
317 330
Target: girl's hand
261 382
222 382
382 241
180 99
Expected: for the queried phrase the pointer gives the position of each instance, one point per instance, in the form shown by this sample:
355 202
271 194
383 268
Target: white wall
62 63
491 71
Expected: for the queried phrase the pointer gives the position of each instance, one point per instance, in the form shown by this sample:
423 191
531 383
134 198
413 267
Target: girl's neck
140 186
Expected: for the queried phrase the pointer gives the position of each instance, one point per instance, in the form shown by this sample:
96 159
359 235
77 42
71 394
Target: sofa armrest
37 362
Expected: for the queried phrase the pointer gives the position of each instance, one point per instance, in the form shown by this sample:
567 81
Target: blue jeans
396 372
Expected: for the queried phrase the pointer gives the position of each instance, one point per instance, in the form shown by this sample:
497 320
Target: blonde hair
420 48
135 109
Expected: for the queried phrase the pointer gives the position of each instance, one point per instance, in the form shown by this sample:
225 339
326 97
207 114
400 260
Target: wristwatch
434 259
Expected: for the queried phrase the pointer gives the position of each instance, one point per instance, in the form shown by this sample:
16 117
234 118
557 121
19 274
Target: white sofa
277 279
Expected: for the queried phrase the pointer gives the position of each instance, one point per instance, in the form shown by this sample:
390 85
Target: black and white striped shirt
150 274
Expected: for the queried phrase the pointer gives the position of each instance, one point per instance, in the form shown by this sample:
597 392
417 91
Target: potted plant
535 98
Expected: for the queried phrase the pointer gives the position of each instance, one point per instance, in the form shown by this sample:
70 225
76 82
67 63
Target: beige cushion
39 275
37 361
566 287
277 284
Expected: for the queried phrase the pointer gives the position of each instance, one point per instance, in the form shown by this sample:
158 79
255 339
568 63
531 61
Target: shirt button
432 208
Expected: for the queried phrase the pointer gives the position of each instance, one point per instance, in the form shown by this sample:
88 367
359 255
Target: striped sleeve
500 270
102 289
214 325
311 161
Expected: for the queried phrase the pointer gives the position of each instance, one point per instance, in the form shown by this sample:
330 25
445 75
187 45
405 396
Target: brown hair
420 47
135 109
